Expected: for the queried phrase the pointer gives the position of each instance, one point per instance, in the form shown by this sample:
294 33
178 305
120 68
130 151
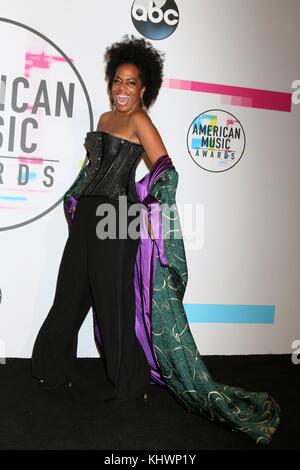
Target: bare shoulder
103 119
139 119
148 136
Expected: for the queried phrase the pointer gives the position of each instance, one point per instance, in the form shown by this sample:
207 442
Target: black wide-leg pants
100 273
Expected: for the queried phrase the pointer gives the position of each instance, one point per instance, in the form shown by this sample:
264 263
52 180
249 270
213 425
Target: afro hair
142 54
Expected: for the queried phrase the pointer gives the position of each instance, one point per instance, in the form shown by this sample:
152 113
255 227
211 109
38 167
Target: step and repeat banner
229 115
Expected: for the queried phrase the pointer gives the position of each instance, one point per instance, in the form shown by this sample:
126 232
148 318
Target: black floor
78 418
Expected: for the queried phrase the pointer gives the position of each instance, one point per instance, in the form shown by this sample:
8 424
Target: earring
143 106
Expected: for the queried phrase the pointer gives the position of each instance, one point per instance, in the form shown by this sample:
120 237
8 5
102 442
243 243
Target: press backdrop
230 65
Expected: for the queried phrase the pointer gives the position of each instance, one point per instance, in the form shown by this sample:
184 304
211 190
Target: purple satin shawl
146 258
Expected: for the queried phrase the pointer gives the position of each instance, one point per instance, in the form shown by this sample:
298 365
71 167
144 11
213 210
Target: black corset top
112 164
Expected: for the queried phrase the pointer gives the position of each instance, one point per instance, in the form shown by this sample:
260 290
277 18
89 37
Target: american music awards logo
45 111
155 19
216 140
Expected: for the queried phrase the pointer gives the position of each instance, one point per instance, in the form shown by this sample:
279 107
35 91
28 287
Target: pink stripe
36 160
41 61
30 190
238 96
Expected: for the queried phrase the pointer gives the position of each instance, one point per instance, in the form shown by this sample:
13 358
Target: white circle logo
44 107
216 140
155 20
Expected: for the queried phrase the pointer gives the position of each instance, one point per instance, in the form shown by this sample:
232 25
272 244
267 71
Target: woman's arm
148 136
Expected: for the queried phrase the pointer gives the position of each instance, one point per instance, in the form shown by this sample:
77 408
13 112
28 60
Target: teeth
122 98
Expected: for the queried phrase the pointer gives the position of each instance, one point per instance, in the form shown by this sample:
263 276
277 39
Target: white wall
251 229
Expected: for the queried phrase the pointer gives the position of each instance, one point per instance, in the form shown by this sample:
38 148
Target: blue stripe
226 313
14 198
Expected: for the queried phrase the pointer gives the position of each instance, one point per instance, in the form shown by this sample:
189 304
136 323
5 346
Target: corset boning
112 165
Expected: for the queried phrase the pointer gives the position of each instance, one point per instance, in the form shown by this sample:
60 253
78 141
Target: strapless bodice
112 161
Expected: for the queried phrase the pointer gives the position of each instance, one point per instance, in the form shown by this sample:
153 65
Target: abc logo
155 20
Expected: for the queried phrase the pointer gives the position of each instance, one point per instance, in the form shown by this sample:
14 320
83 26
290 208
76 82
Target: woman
122 136
135 285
